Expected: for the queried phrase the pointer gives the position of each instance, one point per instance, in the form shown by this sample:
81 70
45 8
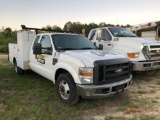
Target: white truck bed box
20 51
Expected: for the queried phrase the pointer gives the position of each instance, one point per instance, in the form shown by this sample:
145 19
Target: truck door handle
109 44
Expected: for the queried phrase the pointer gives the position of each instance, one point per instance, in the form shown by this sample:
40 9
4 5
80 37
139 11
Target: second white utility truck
72 62
144 54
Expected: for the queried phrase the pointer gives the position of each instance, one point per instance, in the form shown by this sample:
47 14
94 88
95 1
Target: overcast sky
39 13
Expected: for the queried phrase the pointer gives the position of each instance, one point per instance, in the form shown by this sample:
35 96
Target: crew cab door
103 37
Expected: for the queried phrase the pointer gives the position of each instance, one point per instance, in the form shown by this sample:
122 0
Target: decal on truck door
40 59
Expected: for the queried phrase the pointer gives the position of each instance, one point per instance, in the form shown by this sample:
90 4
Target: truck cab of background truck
72 62
144 54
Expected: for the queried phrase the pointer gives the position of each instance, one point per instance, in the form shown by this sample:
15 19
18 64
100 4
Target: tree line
78 27
7 35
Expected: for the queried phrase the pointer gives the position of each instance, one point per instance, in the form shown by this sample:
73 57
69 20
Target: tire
152 72
17 70
66 89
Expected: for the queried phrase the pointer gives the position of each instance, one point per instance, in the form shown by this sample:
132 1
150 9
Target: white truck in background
144 54
72 62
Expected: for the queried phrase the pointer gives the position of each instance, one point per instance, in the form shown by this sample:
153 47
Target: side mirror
100 47
37 48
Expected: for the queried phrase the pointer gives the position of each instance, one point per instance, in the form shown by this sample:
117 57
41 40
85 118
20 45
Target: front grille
152 52
154 46
110 71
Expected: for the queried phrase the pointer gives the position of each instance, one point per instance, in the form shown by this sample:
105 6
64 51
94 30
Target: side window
99 35
46 45
109 37
103 34
46 42
92 34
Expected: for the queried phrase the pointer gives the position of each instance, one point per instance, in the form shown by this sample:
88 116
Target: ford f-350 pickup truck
72 62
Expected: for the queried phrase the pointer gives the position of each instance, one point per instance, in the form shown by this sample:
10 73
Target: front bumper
145 66
100 91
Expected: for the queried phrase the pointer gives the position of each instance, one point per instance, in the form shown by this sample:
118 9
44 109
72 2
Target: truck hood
89 56
134 43
138 40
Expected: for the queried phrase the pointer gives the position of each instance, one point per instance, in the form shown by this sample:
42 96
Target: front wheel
18 70
66 89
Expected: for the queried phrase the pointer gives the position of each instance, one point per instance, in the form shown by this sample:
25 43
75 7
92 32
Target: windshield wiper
67 49
86 48
131 36
121 36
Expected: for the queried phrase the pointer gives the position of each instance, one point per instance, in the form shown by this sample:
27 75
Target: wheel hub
64 89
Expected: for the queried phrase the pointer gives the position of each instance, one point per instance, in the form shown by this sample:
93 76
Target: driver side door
45 59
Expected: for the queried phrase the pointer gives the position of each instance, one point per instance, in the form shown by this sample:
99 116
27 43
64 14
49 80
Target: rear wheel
66 89
18 70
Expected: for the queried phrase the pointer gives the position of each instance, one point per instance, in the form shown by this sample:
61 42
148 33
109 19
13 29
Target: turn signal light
133 55
87 74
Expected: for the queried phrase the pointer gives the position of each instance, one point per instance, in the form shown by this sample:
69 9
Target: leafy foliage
55 27
8 31
5 39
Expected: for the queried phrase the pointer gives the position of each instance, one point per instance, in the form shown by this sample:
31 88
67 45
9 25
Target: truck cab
144 54
72 62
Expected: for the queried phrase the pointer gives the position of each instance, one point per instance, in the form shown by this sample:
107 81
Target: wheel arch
14 60
61 71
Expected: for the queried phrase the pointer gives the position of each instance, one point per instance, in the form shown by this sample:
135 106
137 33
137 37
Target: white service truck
72 62
144 54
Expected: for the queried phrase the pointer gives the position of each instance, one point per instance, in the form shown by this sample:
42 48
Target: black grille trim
105 70
155 46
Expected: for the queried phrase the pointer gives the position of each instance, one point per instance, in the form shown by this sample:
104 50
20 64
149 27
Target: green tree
68 26
55 27
49 27
8 32
102 24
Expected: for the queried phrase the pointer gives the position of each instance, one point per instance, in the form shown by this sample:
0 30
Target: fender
73 70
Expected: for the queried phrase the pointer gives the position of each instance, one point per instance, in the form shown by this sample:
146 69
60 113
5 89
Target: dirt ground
3 56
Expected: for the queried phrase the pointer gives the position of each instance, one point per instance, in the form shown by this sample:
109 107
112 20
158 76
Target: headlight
86 75
133 55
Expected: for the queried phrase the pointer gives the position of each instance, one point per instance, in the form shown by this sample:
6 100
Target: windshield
121 32
71 42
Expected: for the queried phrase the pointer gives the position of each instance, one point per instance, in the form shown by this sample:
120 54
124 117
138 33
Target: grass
32 97
141 92
158 82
